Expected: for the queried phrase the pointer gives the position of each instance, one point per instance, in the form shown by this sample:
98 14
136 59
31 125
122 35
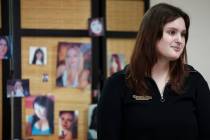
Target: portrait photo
18 88
45 77
37 55
4 47
39 114
73 65
116 62
68 125
96 27
92 122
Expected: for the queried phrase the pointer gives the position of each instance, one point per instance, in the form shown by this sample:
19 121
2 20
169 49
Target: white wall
198 47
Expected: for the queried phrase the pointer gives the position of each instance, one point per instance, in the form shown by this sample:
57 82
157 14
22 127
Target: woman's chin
174 58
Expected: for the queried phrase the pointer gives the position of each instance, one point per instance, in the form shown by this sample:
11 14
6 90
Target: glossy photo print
18 88
116 63
74 65
4 47
96 27
92 122
68 125
39 114
45 77
38 55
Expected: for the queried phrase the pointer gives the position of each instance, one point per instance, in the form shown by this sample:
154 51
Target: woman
68 125
38 58
41 122
157 96
73 74
19 91
4 48
116 64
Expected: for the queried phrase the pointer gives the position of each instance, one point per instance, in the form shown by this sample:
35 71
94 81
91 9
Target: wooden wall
120 46
122 15
65 98
55 14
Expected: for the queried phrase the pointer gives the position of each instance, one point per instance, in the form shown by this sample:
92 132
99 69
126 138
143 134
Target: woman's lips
176 48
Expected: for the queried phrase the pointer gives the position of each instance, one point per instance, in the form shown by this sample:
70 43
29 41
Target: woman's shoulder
120 75
116 81
194 74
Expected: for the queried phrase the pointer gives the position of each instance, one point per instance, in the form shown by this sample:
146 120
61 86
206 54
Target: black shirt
124 116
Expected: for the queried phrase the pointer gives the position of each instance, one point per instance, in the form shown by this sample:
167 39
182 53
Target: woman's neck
42 124
160 74
160 70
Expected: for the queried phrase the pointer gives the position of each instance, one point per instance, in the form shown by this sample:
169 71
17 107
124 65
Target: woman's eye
172 32
183 34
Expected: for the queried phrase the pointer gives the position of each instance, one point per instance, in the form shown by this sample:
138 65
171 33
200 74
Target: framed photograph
39 115
45 77
68 125
74 65
4 47
18 88
95 94
116 63
96 26
37 55
92 122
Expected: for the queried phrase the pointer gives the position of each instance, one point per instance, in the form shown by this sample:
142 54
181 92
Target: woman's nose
179 39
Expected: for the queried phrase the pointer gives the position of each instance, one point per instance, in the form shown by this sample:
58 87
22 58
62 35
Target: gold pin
142 98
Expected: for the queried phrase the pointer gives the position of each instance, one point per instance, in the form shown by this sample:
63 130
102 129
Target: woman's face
114 65
18 85
3 47
66 120
172 43
39 56
72 58
40 111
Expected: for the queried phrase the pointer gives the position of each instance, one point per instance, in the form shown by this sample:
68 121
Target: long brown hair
144 55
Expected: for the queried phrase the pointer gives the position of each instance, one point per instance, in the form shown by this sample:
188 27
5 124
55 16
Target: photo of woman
74 65
68 124
39 115
38 55
4 47
116 63
17 88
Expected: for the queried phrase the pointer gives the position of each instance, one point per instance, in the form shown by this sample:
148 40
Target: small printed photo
74 65
92 122
4 47
18 88
39 115
116 63
96 27
45 77
38 55
95 94
68 125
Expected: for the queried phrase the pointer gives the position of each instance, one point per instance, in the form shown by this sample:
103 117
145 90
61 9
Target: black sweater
123 116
